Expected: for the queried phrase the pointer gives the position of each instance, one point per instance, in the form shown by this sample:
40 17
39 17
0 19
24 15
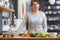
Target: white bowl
53 33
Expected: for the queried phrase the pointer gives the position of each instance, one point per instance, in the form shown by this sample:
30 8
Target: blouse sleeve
22 25
45 23
24 21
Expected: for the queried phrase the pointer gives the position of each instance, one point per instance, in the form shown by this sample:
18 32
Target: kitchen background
12 21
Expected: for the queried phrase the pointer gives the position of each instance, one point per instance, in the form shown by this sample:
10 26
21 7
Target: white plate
52 2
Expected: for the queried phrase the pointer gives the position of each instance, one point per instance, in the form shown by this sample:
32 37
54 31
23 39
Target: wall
0 21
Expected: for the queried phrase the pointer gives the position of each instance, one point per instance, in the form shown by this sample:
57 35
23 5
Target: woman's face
35 6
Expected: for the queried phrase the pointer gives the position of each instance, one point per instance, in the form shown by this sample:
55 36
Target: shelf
6 9
53 21
52 9
52 12
48 4
53 30
52 5
53 15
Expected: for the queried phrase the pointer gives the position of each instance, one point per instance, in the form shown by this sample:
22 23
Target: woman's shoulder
28 13
43 14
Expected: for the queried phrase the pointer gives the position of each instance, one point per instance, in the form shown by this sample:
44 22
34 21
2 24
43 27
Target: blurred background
12 20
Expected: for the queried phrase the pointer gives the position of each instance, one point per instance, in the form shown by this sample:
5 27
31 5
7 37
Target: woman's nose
35 5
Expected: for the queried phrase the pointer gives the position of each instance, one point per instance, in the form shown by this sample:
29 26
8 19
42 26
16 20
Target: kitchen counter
52 37
30 38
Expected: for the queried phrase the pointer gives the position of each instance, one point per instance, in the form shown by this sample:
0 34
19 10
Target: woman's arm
22 26
45 23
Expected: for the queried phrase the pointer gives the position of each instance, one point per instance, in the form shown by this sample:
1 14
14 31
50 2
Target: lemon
32 32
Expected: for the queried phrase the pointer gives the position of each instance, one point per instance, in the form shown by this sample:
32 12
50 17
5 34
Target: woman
37 21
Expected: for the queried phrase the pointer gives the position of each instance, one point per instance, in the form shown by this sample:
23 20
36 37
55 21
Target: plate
52 2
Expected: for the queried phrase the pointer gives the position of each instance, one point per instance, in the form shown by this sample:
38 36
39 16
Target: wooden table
31 38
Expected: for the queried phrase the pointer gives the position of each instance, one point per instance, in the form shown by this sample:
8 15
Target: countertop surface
29 38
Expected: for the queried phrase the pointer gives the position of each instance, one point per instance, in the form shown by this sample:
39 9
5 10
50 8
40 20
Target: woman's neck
35 13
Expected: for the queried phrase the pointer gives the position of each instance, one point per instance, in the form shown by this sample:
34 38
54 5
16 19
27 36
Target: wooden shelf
6 9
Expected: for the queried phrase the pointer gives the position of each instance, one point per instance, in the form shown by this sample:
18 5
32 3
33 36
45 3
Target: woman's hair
34 1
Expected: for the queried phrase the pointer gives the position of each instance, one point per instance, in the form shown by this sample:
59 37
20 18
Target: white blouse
35 23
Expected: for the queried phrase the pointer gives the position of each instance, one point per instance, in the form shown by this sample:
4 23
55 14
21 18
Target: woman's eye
34 4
